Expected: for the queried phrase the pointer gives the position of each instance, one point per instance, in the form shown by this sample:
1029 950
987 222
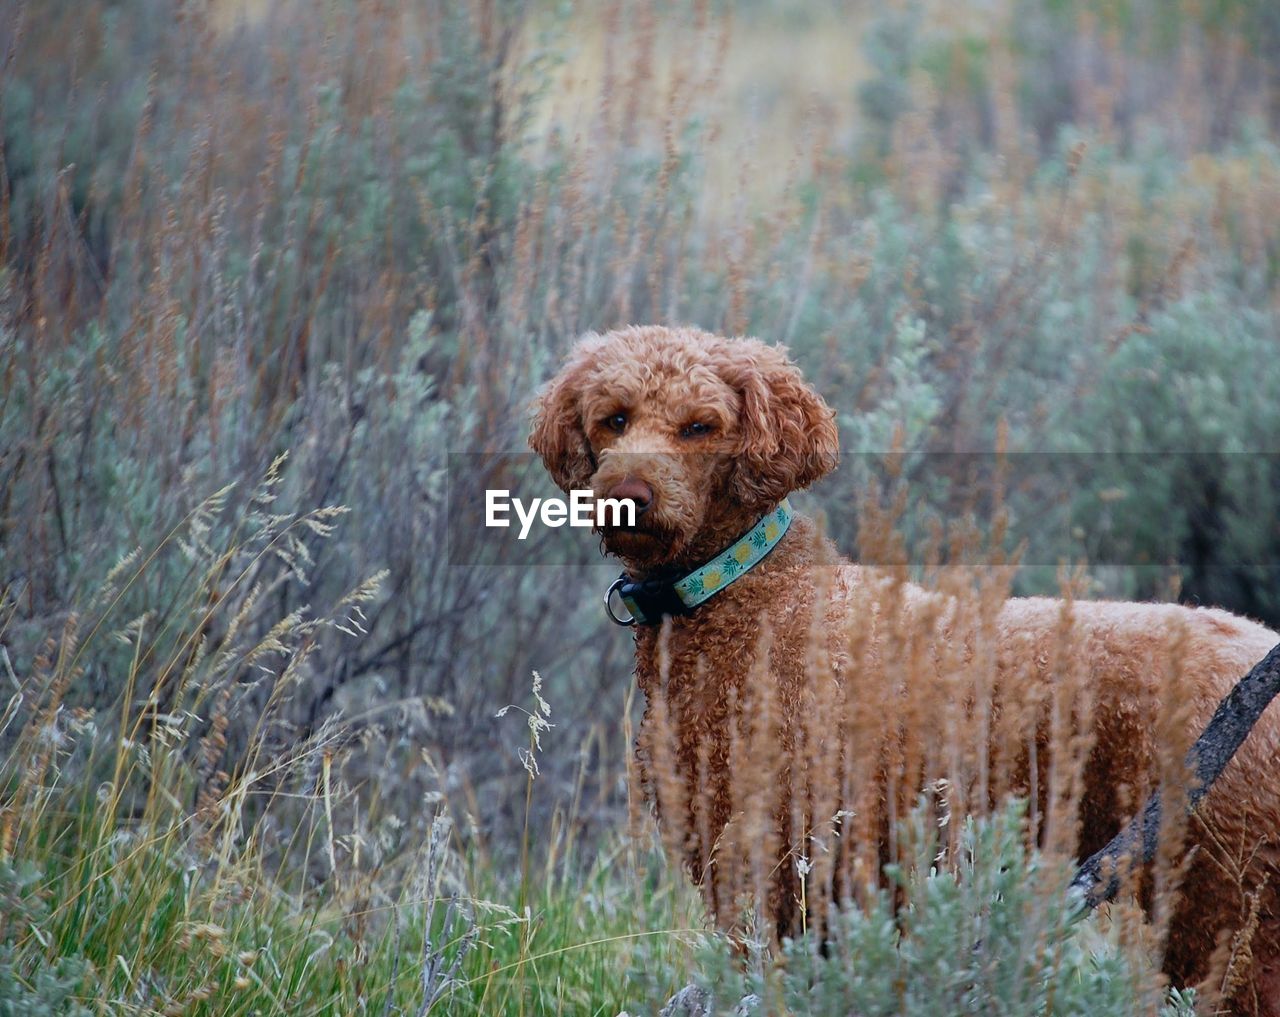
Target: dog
754 638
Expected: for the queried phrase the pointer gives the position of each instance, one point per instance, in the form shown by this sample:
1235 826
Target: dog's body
707 434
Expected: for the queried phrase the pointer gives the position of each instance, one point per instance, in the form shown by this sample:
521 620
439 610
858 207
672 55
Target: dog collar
647 601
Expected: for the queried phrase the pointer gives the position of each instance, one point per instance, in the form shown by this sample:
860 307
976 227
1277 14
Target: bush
29 985
988 930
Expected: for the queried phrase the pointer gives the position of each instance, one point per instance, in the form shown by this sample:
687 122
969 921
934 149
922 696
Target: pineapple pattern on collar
734 561
737 559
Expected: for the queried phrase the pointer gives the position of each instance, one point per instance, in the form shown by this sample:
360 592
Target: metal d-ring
608 604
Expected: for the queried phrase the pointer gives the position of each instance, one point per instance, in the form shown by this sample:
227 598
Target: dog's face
704 434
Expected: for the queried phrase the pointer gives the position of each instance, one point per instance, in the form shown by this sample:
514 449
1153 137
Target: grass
163 939
157 885
162 936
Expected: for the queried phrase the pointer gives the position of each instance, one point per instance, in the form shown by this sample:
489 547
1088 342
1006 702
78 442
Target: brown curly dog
766 706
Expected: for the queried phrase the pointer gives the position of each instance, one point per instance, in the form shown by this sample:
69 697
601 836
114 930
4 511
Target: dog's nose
636 490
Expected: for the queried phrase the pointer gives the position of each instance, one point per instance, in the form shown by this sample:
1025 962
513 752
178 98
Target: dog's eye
695 430
616 423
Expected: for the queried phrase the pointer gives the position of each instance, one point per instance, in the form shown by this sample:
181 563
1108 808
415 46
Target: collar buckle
616 587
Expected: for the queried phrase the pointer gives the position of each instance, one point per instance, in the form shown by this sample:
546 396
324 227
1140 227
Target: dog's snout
636 490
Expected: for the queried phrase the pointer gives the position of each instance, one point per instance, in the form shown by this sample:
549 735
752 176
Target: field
271 742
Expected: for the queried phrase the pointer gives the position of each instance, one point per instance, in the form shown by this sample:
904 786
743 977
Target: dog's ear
558 435
788 433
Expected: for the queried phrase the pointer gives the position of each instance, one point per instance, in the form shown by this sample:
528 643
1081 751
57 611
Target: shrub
984 928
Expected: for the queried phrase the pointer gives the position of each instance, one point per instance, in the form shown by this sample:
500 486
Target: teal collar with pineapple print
649 600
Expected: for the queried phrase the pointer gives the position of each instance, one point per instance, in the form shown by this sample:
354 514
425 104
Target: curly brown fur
714 432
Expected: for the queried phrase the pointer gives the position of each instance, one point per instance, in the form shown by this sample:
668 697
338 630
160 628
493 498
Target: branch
1206 759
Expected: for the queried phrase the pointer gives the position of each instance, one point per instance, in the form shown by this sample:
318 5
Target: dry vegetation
251 758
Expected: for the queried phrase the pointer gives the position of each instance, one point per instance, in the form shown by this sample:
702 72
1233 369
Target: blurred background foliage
364 233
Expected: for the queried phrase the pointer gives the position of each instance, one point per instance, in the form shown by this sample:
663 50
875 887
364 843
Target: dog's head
704 434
